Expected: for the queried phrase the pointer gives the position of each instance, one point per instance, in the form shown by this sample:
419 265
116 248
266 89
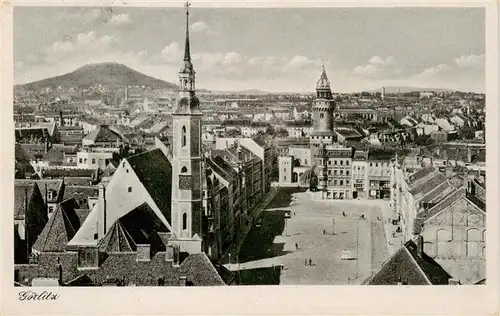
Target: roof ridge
53 218
416 263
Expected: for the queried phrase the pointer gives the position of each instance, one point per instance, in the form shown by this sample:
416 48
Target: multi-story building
360 174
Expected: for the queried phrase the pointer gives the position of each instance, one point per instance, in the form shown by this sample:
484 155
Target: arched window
183 140
184 221
184 169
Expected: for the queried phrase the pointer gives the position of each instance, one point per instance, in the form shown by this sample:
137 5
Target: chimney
182 281
420 246
46 199
102 210
177 251
47 147
61 121
59 270
453 281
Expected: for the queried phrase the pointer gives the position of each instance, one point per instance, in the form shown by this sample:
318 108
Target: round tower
323 108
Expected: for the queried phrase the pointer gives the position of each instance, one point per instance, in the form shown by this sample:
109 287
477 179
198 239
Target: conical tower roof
323 82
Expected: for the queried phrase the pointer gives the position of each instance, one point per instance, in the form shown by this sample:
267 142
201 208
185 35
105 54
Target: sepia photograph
200 146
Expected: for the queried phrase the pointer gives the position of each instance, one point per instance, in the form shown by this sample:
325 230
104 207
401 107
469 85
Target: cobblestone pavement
318 230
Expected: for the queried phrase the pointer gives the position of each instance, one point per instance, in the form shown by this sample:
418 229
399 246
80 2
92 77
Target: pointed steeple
187 53
188 66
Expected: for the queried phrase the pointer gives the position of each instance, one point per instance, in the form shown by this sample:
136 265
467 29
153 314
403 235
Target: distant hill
391 89
108 74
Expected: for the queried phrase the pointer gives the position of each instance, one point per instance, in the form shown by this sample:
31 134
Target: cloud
377 67
120 19
436 69
298 62
198 26
470 61
231 59
83 44
171 53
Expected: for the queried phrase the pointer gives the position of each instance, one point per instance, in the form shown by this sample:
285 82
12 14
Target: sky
269 49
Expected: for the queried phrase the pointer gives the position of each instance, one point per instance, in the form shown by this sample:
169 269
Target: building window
80 160
305 161
347 162
93 161
341 172
84 160
347 172
184 221
341 182
129 189
335 162
376 164
334 182
284 178
329 172
321 115
334 172
284 169
183 141
329 162
184 169
347 182
342 162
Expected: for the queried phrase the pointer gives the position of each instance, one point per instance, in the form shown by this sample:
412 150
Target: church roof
155 172
140 226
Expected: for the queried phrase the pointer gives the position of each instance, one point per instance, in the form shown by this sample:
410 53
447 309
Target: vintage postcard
251 152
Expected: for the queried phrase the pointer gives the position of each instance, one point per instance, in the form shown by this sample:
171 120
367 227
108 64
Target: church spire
187 73
187 53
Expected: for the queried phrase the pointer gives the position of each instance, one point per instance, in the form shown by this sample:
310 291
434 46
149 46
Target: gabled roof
200 271
103 134
61 227
223 168
23 190
423 188
47 185
410 267
155 173
450 199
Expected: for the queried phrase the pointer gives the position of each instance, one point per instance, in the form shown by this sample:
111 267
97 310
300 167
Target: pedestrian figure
310 262
296 246
324 232
343 213
363 216
393 235
305 262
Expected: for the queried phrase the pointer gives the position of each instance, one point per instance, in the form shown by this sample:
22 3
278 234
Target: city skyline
284 51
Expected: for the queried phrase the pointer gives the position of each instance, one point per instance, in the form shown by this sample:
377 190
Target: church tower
323 133
323 108
186 159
